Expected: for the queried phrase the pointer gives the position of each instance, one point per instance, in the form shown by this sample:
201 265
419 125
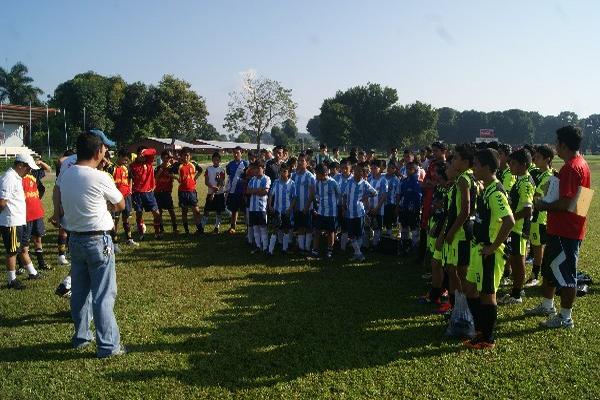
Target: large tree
260 104
16 87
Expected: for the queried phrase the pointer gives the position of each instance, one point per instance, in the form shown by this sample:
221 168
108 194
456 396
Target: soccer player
214 177
235 186
164 189
305 193
521 203
565 232
390 210
141 171
357 192
327 193
322 156
543 161
258 190
281 198
120 174
428 185
186 172
410 195
493 223
504 175
34 229
342 180
376 203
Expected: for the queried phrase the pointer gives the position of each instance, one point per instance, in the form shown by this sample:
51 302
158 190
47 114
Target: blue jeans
93 292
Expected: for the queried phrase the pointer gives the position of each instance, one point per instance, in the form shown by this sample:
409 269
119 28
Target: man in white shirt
84 194
12 217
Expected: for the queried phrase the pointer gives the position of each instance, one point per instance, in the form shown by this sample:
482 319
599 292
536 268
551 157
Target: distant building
15 125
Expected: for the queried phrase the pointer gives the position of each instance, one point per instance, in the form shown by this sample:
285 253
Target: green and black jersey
541 188
492 206
520 197
455 202
506 178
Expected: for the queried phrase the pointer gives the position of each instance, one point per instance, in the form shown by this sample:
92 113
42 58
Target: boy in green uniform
543 160
493 223
506 178
521 202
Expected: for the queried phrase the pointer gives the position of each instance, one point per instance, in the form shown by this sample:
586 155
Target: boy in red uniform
120 174
164 188
187 172
141 172
34 217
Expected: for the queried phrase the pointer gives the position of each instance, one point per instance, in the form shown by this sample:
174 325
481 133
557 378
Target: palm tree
16 86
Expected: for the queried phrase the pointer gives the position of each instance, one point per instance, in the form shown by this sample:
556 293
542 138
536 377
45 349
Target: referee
84 194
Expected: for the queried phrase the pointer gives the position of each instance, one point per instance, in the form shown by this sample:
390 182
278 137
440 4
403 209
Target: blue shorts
559 265
188 199
257 218
325 224
126 212
33 228
164 200
302 221
355 227
144 201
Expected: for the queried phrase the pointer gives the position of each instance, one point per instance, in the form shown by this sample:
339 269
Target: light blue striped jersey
393 191
342 181
381 186
328 195
353 197
303 181
257 202
282 193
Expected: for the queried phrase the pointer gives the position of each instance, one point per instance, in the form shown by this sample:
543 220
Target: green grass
205 319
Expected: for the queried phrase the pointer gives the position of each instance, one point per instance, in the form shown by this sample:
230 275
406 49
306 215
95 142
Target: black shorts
188 199
303 221
559 265
389 215
11 236
215 203
257 218
164 200
144 201
236 202
33 228
326 224
517 245
409 219
355 227
283 221
376 222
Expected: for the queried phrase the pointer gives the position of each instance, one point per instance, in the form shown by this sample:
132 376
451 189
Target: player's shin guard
286 241
127 228
272 243
344 241
264 236
39 254
62 245
257 236
356 246
308 241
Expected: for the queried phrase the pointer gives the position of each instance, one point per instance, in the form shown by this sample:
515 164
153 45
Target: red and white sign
487 133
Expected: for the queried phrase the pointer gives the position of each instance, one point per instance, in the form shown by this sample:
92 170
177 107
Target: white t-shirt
11 189
212 173
66 164
84 192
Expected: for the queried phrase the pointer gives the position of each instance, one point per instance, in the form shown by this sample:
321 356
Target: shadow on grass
282 326
54 351
36 319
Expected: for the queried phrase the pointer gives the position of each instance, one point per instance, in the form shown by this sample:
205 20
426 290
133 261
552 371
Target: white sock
12 275
67 281
344 241
264 234
217 221
416 236
547 303
31 269
301 239
251 234
286 241
356 247
565 313
376 237
257 236
308 239
279 237
272 243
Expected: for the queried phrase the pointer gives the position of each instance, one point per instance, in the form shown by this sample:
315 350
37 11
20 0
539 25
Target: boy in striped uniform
390 211
305 193
281 198
342 180
357 192
164 189
187 172
258 190
376 203
120 174
327 192
521 203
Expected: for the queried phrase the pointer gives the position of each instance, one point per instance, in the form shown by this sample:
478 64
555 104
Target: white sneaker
508 299
506 282
540 310
358 257
426 275
532 282
62 260
557 321
132 242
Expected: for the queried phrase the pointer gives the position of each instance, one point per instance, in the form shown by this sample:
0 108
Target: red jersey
187 175
164 180
428 193
572 175
33 204
120 174
142 172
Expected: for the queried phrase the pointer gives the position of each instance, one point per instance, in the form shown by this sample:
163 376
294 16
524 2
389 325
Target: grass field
205 319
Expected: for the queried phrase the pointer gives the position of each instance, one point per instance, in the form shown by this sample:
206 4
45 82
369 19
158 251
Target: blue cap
99 134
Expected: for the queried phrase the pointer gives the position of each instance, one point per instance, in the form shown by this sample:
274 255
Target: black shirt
272 169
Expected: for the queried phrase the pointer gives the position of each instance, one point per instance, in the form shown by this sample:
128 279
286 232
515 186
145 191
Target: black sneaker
16 285
329 255
45 267
216 230
20 271
256 250
121 351
33 277
62 291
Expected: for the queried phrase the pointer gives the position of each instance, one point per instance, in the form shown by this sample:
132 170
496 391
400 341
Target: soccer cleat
20 271
131 242
46 267
34 277
507 299
557 321
63 291
231 231
314 253
121 351
216 230
62 260
540 310
329 255
506 281
358 257
532 282
479 344
16 285
256 250
426 276
158 236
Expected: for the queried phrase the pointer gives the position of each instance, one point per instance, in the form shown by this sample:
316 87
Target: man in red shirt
187 172
120 174
565 231
34 216
428 185
164 188
141 172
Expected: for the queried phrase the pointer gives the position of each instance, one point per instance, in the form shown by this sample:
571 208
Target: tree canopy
16 86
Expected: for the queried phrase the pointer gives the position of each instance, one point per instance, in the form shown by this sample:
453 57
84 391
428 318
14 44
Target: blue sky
533 55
